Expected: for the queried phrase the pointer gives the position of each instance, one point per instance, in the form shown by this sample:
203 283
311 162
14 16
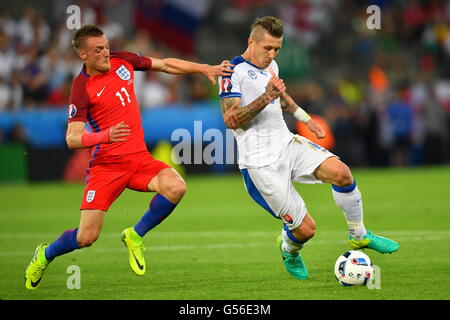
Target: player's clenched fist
275 87
118 132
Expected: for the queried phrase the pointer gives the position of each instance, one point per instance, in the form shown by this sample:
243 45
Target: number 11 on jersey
118 94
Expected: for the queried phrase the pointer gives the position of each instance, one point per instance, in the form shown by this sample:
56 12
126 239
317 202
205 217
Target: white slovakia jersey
262 140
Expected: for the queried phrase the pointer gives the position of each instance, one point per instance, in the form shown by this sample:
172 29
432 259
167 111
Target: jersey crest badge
252 74
123 73
72 111
90 196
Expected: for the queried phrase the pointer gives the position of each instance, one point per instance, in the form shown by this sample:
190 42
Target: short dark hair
272 25
84 32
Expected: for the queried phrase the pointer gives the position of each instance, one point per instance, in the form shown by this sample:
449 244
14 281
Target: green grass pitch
219 244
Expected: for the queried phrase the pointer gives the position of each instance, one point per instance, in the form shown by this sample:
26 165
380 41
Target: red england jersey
108 98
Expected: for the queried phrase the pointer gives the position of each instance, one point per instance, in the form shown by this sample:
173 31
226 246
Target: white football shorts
271 186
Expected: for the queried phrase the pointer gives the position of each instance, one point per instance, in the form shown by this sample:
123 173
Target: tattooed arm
288 105
235 116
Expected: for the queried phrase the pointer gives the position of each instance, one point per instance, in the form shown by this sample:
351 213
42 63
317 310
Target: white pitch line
26 235
228 245
155 248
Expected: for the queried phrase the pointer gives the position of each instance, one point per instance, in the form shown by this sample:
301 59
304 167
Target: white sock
356 229
352 207
288 245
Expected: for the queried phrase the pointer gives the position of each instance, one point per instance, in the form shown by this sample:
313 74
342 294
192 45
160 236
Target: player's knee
304 233
175 191
342 176
87 239
310 232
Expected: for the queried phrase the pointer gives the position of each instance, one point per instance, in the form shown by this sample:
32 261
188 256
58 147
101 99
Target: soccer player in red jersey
103 95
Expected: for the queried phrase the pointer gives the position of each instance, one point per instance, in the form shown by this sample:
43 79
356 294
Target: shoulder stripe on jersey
235 61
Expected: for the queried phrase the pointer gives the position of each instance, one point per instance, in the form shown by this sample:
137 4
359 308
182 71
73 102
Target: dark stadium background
385 94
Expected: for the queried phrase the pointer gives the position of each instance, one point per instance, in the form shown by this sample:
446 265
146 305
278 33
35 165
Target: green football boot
374 242
293 263
133 242
36 268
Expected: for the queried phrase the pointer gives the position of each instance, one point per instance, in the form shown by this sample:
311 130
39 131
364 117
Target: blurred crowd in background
384 93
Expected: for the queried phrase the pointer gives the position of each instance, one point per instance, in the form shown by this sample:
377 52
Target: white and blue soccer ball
353 268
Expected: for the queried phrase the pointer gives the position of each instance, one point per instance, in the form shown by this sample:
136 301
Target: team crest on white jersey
90 195
252 74
123 73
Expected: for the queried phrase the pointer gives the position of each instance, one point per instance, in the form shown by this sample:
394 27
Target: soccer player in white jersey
271 157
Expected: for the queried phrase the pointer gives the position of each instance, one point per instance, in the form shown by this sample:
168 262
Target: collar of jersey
84 73
251 63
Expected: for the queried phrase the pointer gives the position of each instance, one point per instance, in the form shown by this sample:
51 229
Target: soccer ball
353 268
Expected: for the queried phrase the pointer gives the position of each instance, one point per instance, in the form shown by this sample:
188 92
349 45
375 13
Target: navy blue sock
67 242
160 208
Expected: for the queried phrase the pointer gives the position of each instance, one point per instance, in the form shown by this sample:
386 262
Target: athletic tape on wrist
301 115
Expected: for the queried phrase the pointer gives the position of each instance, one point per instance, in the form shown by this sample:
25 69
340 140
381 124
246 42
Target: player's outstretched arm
77 138
288 105
178 66
235 116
